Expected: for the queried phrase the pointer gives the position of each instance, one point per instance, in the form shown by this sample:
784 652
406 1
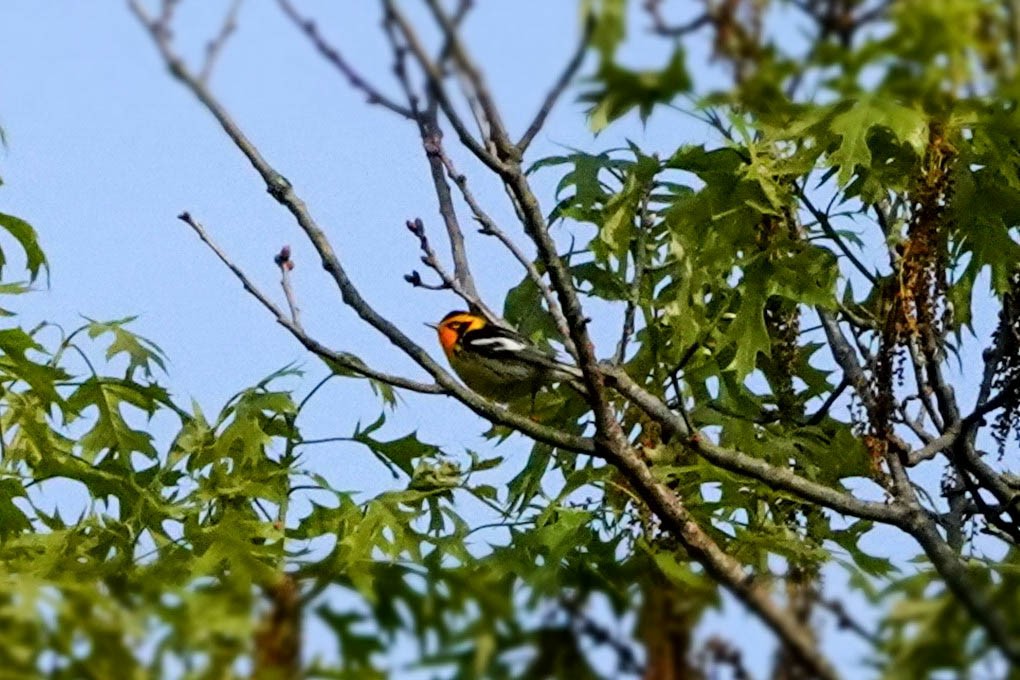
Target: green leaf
528 482
141 353
16 363
397 453
12 519
25 235
853 122
110 431
618 90
610 27
748 332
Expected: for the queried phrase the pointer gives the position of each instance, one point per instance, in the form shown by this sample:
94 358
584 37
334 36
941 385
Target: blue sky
105 149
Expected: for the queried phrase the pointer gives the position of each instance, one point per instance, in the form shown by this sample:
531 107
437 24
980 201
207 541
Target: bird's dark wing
503 344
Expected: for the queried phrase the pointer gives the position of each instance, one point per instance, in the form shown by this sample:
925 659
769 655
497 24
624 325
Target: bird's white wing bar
500 344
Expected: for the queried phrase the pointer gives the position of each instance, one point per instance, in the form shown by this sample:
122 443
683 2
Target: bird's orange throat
448 339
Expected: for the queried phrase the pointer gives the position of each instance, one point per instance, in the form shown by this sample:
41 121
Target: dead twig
216 45
558 88
342 359
332 55
286 265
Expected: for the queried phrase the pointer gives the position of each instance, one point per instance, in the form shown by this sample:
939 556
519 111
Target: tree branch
948 565
497 130
490 228
432 141
634 290
826 225
756 468
558 88
286 265
434 76
215 46
724 569
332 55
281 190
342 359
430 260
661 27
610 440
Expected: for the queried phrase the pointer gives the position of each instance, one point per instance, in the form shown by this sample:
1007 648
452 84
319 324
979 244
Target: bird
498 363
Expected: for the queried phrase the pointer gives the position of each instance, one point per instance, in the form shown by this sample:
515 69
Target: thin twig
434 76
493 120
342 359
558 88
830 231
823 410
627 661
286 265
490 228
432 142
215 46
661 27
414 278
166 16
923 389
959 582
634 290
282 191
719 652
847 622
749 466
332 55
430 260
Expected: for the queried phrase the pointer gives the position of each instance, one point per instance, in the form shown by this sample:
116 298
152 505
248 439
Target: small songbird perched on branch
498 363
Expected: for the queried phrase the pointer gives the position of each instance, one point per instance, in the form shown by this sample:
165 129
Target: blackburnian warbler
496 362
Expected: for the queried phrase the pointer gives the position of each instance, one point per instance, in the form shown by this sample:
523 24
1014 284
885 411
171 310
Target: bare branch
823 410
331 54
756 468
663 28
726 570
634 290
166 16
439 163
948 565
846 359
414 278
963 427
558 88
490 228
497 130
585 625
435 80
215 46
286 265
432 141
430 260
923 389
845 621
718 652
341 359
281 190
830 231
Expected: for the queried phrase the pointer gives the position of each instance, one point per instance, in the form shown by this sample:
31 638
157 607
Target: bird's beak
433 326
